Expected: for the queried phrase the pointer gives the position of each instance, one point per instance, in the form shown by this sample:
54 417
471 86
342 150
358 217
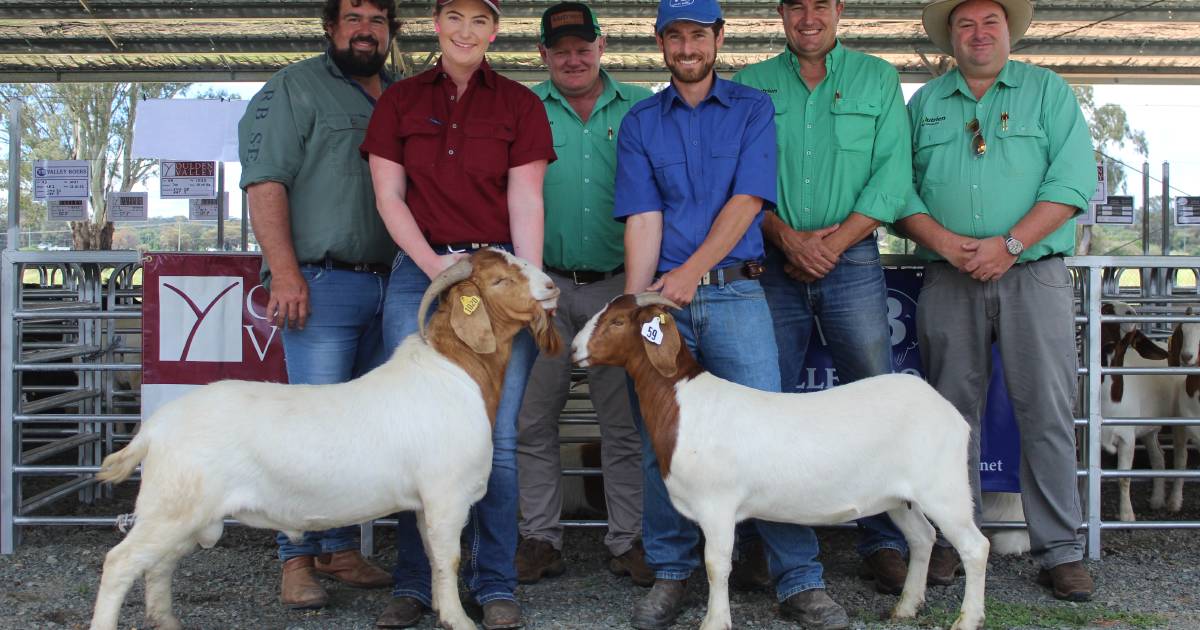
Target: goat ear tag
469 303
652 333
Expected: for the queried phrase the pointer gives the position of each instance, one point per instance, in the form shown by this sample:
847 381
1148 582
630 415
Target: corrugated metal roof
74 40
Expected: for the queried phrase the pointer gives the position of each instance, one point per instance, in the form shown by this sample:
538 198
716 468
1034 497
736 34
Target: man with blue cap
696 168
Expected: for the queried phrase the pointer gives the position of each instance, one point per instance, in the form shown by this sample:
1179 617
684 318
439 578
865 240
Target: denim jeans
341 341
849 306
729 330
491 532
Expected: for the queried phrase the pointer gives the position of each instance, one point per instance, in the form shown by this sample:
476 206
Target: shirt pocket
485 147
670 173
929 148
345 133
422 142
1023 150
854 124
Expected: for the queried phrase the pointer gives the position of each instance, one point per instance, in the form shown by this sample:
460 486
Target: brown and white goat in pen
413 434
1184 351
728 453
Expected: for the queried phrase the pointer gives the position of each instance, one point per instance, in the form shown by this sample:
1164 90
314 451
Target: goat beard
545 334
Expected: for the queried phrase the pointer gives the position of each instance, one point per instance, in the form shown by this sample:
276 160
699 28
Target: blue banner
1000 454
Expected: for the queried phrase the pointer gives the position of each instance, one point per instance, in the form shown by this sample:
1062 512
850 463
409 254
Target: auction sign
61 179
66 209
204 319
187 180
127 206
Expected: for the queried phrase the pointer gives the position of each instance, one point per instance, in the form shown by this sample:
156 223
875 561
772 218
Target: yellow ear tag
469 303
662 318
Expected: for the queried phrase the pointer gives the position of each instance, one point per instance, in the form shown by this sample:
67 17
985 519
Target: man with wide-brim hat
1002 163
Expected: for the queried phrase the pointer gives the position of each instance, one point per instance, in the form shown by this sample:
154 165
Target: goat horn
651 297
455 273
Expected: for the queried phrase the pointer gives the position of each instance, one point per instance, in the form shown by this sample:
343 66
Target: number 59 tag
651 332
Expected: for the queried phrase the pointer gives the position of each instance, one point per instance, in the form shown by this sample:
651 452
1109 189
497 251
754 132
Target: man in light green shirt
1002 163
844 168
584 252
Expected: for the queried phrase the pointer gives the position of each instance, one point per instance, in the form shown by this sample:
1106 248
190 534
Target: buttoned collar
719 92
546 90
833 59
483 74
1008 77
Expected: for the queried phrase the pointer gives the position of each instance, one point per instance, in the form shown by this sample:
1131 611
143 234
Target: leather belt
725 275
583 277
379 269
465 247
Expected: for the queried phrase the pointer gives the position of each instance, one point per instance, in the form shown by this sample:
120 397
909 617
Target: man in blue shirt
696 166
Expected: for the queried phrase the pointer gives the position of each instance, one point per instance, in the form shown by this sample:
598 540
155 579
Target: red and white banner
203 321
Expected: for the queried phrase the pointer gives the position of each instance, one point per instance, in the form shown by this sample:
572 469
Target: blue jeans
729 330
491 533
342 340
849 306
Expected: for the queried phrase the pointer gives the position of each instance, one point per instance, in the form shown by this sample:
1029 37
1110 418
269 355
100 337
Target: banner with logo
1000 443
203 322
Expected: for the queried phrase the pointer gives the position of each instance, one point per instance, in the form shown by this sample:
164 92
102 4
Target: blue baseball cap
698 11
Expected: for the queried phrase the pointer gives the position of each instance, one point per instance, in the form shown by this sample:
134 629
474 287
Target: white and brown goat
413 434
728 452
1184 351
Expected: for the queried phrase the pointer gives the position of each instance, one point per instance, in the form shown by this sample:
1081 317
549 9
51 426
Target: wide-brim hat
936 19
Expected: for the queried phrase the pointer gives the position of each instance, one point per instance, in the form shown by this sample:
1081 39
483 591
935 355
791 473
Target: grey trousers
1030 314
538 464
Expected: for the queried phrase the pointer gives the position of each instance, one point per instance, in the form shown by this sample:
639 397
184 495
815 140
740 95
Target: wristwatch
1015 247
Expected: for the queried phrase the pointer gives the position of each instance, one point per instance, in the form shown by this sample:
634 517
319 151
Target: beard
355 63
694 74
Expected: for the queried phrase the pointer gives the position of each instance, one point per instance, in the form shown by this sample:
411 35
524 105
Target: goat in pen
728 453
413 434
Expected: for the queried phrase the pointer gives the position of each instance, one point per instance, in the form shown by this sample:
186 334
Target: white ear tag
651 332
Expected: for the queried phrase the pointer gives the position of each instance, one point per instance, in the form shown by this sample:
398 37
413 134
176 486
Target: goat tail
118 466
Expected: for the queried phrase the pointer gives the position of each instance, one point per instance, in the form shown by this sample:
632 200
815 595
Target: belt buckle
575 278
450 249
706 279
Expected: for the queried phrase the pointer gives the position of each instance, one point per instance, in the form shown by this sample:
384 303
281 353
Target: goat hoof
905 611
462 622
164 623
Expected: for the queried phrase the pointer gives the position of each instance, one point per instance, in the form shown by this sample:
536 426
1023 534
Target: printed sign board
66 210
187 180
206 209
1100 196
128 206
61 179
1117 211
1000 450
1187 211
203 321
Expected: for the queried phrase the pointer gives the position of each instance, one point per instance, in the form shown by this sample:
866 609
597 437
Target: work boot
943 566
659 608
350 568
300 588
815 609
633 564
750 571
401 612
1069 581
501 614
887 567
537 559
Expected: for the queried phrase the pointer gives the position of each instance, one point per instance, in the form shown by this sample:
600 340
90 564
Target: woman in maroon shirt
458 154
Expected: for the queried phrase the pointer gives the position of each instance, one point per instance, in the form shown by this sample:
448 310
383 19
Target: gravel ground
1146 579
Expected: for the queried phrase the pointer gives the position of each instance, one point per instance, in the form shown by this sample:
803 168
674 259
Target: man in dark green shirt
1003 161
583 253
326 253
844 168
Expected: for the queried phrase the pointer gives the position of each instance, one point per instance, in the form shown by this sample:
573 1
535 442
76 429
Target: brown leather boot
888 569
633 564
1069 581
300 588
537 558
660 607
351 569
944 566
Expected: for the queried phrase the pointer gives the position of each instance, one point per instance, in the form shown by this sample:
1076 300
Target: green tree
1110 128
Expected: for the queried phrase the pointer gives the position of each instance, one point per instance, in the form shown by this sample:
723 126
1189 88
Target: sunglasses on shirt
978 144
